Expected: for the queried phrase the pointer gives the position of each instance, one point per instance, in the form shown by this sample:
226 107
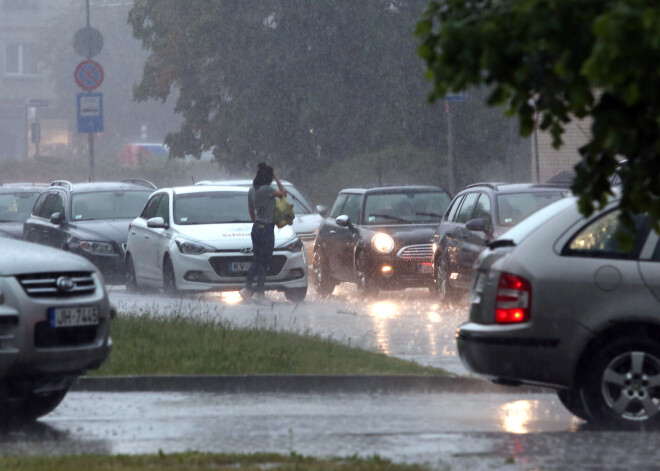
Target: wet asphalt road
457 431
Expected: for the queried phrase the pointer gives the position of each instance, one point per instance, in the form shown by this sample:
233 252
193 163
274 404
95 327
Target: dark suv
89 219
480 213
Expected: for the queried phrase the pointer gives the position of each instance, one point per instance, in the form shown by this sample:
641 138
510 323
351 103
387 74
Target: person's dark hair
264 175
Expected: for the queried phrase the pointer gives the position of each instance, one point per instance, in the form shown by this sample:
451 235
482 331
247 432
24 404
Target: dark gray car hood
18 257
111 231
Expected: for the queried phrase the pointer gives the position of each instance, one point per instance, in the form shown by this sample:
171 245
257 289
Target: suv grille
422 252
42 285
221 265
45 336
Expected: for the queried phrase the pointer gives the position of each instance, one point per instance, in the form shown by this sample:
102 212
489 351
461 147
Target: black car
478 214
379 238
89 219
16 202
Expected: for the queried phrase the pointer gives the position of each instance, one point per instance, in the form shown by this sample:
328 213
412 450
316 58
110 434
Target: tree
561 60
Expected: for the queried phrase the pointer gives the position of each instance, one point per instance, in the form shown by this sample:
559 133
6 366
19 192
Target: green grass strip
174 345
193 461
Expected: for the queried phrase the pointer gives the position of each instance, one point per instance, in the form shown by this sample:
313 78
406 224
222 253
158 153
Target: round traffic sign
88 75
88 42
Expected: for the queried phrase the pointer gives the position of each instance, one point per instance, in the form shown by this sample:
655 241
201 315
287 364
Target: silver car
562 301
54 325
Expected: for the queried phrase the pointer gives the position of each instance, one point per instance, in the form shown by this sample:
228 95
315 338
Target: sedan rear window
211 207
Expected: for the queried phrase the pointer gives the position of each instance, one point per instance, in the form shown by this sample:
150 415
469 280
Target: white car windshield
100 205
211 207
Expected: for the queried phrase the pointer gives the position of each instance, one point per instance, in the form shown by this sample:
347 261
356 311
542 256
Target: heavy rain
416 206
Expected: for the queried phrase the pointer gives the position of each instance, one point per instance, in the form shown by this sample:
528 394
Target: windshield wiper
429 214
493 244
389 216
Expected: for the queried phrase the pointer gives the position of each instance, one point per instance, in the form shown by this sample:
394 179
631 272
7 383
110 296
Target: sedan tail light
514 299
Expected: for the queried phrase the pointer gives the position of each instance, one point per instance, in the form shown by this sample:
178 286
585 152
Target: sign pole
90 135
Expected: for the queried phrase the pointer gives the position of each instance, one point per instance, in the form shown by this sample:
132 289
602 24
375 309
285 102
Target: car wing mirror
321 209
476 225
57 218
344 221
157 223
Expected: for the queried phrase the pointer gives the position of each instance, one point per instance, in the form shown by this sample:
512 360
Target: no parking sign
88 75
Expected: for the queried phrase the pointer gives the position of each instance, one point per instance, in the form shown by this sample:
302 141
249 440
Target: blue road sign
90 112
456 96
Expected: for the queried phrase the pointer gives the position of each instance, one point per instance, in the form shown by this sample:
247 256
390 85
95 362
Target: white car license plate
73 316
425 267
239 267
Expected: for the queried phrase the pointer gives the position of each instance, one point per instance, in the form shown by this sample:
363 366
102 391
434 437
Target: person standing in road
261 203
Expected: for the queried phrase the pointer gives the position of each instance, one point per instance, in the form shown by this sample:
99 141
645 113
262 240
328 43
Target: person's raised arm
282 191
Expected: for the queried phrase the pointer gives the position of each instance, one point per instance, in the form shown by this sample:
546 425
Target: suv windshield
405 208
514 207
212 207
99 205
16 207
520 231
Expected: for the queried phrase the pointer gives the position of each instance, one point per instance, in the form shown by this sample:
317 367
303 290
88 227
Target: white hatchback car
197 238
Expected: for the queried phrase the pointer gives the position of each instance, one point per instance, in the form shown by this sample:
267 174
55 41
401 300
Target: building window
20 4
20 59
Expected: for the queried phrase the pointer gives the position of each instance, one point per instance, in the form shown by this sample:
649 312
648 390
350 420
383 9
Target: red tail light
514 299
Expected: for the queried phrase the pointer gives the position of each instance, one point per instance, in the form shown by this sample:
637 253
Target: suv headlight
92 246
192 248
295 245
382 243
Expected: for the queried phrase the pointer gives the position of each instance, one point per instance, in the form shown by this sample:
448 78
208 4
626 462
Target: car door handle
146 237
333 231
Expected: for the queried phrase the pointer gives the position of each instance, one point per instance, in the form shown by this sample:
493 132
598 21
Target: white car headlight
192 248
294 245
103 248
382 243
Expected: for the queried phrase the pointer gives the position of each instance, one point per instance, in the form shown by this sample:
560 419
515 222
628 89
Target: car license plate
73 316
239 267
425 267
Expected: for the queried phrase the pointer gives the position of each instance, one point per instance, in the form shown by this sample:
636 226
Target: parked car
197 238
480 213
54 323
138 154
89 219
379 238
562 301
16 202
308 217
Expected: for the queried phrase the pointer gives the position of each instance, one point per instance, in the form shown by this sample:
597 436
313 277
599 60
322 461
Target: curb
304 384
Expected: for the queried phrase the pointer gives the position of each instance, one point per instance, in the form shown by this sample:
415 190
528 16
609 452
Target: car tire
34 406
366 285
622 386
444 291
572 400
323 283
169 278
295 295
131 279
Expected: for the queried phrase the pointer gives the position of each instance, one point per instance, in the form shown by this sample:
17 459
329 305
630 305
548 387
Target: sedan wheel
624 384
32 406
324 284
169 279
572 400
131 280
364 279
295 295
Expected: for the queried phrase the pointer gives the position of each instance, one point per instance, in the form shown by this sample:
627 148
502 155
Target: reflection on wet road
448 431
408 324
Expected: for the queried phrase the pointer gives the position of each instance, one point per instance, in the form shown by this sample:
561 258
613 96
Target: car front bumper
211 272
393 272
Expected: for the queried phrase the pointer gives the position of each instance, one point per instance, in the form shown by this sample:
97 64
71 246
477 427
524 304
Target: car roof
133 184
183 190
502 187
22 187
394 189
239 182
